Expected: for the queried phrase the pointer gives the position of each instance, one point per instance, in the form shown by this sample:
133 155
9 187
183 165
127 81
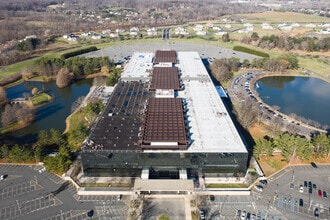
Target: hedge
251 51
78 52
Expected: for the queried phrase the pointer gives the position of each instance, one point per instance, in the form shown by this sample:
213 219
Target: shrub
78 52
251 51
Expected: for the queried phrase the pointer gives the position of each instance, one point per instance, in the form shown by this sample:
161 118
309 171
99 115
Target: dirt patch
258 131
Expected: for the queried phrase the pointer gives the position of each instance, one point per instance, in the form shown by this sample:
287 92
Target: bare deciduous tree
3 95
63 78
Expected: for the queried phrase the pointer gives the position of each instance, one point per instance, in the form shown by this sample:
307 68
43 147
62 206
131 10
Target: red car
319 192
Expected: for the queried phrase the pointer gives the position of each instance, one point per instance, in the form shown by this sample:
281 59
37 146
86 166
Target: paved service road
29 192
242 88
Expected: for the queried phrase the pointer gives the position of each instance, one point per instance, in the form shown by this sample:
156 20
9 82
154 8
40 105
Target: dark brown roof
164 122
165 78
118 126
165 56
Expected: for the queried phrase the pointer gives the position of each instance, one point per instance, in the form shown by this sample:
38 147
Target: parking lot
31 192
281 198
121 53
288 192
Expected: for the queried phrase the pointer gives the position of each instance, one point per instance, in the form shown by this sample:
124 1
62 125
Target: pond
50 115
304 96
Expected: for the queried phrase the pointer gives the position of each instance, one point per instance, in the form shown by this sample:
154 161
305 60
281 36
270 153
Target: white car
259 188
243 215
301 189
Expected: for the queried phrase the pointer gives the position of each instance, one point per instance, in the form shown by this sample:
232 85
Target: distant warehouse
164 120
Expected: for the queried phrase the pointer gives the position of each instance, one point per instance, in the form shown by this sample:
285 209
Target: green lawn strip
105 185
9 128
226 185
163 217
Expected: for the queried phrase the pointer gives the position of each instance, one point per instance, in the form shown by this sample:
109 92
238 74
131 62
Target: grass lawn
9 128
15 68
40 99
163 217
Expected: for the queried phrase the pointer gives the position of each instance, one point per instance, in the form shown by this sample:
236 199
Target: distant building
152 31
221 33
180 31
310 25
71 37
325 31
266 26
228 26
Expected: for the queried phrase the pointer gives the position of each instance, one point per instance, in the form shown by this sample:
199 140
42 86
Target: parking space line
19 189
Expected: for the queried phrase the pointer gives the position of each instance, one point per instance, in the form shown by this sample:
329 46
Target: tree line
288 43
293 146
222 69
52 147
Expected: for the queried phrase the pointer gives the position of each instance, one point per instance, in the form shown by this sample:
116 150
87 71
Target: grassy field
40 99
281 17
61 46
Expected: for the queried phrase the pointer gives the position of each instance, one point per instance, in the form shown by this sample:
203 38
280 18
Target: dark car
301 202
325 194
314 186
319 192
313 165
264 182
316 213
238 213
305 183
212 198
90 213
310 190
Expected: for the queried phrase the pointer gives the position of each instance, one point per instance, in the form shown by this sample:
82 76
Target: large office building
164 120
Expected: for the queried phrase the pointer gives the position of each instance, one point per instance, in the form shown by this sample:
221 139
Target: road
242 89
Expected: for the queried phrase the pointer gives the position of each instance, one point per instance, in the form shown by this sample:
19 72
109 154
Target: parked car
316 213
319 192
259 188
4 176
301 202
310 190
313 165
291 185
90 213
325 194
202 214
238 213
212 198
305 183
301 189
264 182
243 215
